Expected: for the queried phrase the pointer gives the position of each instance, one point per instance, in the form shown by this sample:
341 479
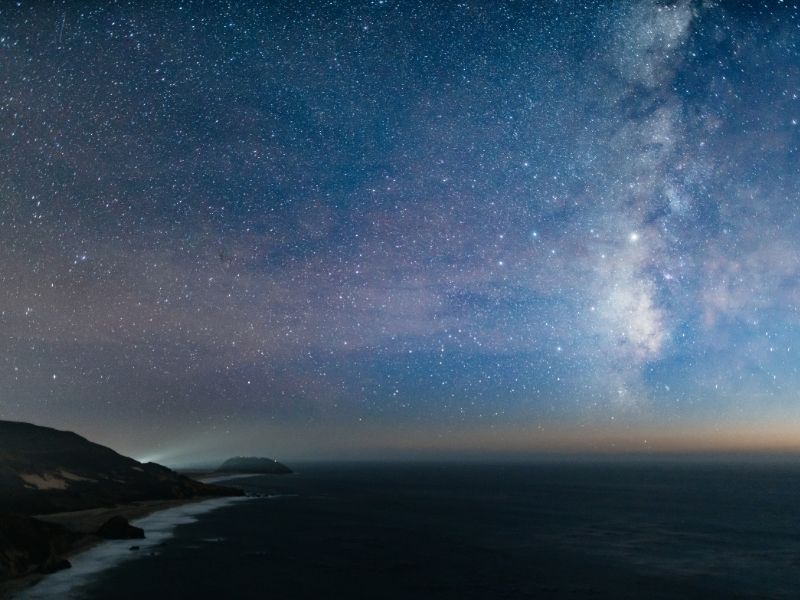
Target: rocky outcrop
28 546
118 528
253 464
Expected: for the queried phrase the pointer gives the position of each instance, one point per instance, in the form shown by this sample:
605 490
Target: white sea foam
158 527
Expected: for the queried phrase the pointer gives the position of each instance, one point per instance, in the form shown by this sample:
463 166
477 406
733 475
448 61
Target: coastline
91 554
89 520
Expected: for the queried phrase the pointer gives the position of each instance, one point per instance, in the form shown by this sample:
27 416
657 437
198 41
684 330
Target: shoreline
89 520
86 522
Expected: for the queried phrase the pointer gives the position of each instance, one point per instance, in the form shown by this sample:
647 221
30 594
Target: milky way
324 228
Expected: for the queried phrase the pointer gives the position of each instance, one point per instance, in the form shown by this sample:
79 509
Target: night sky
401 228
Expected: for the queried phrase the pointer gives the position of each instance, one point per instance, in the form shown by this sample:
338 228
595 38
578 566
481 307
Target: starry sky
401 228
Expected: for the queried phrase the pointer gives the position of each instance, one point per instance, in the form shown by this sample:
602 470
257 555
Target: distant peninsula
254 465
93 489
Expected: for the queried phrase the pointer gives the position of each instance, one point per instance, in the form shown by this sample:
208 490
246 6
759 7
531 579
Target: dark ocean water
539 531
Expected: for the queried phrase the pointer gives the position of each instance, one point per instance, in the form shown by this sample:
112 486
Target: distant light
634 237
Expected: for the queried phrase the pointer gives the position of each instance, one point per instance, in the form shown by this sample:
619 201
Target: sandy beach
88 521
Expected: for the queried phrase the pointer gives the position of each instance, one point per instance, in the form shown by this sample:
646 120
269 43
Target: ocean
616 530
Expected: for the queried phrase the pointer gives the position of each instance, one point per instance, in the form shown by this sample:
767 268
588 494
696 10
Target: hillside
44 470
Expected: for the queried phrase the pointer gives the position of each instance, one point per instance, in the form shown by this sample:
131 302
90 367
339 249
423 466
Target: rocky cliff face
44 470
28 546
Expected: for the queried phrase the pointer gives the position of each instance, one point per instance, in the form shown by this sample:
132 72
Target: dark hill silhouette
44 470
